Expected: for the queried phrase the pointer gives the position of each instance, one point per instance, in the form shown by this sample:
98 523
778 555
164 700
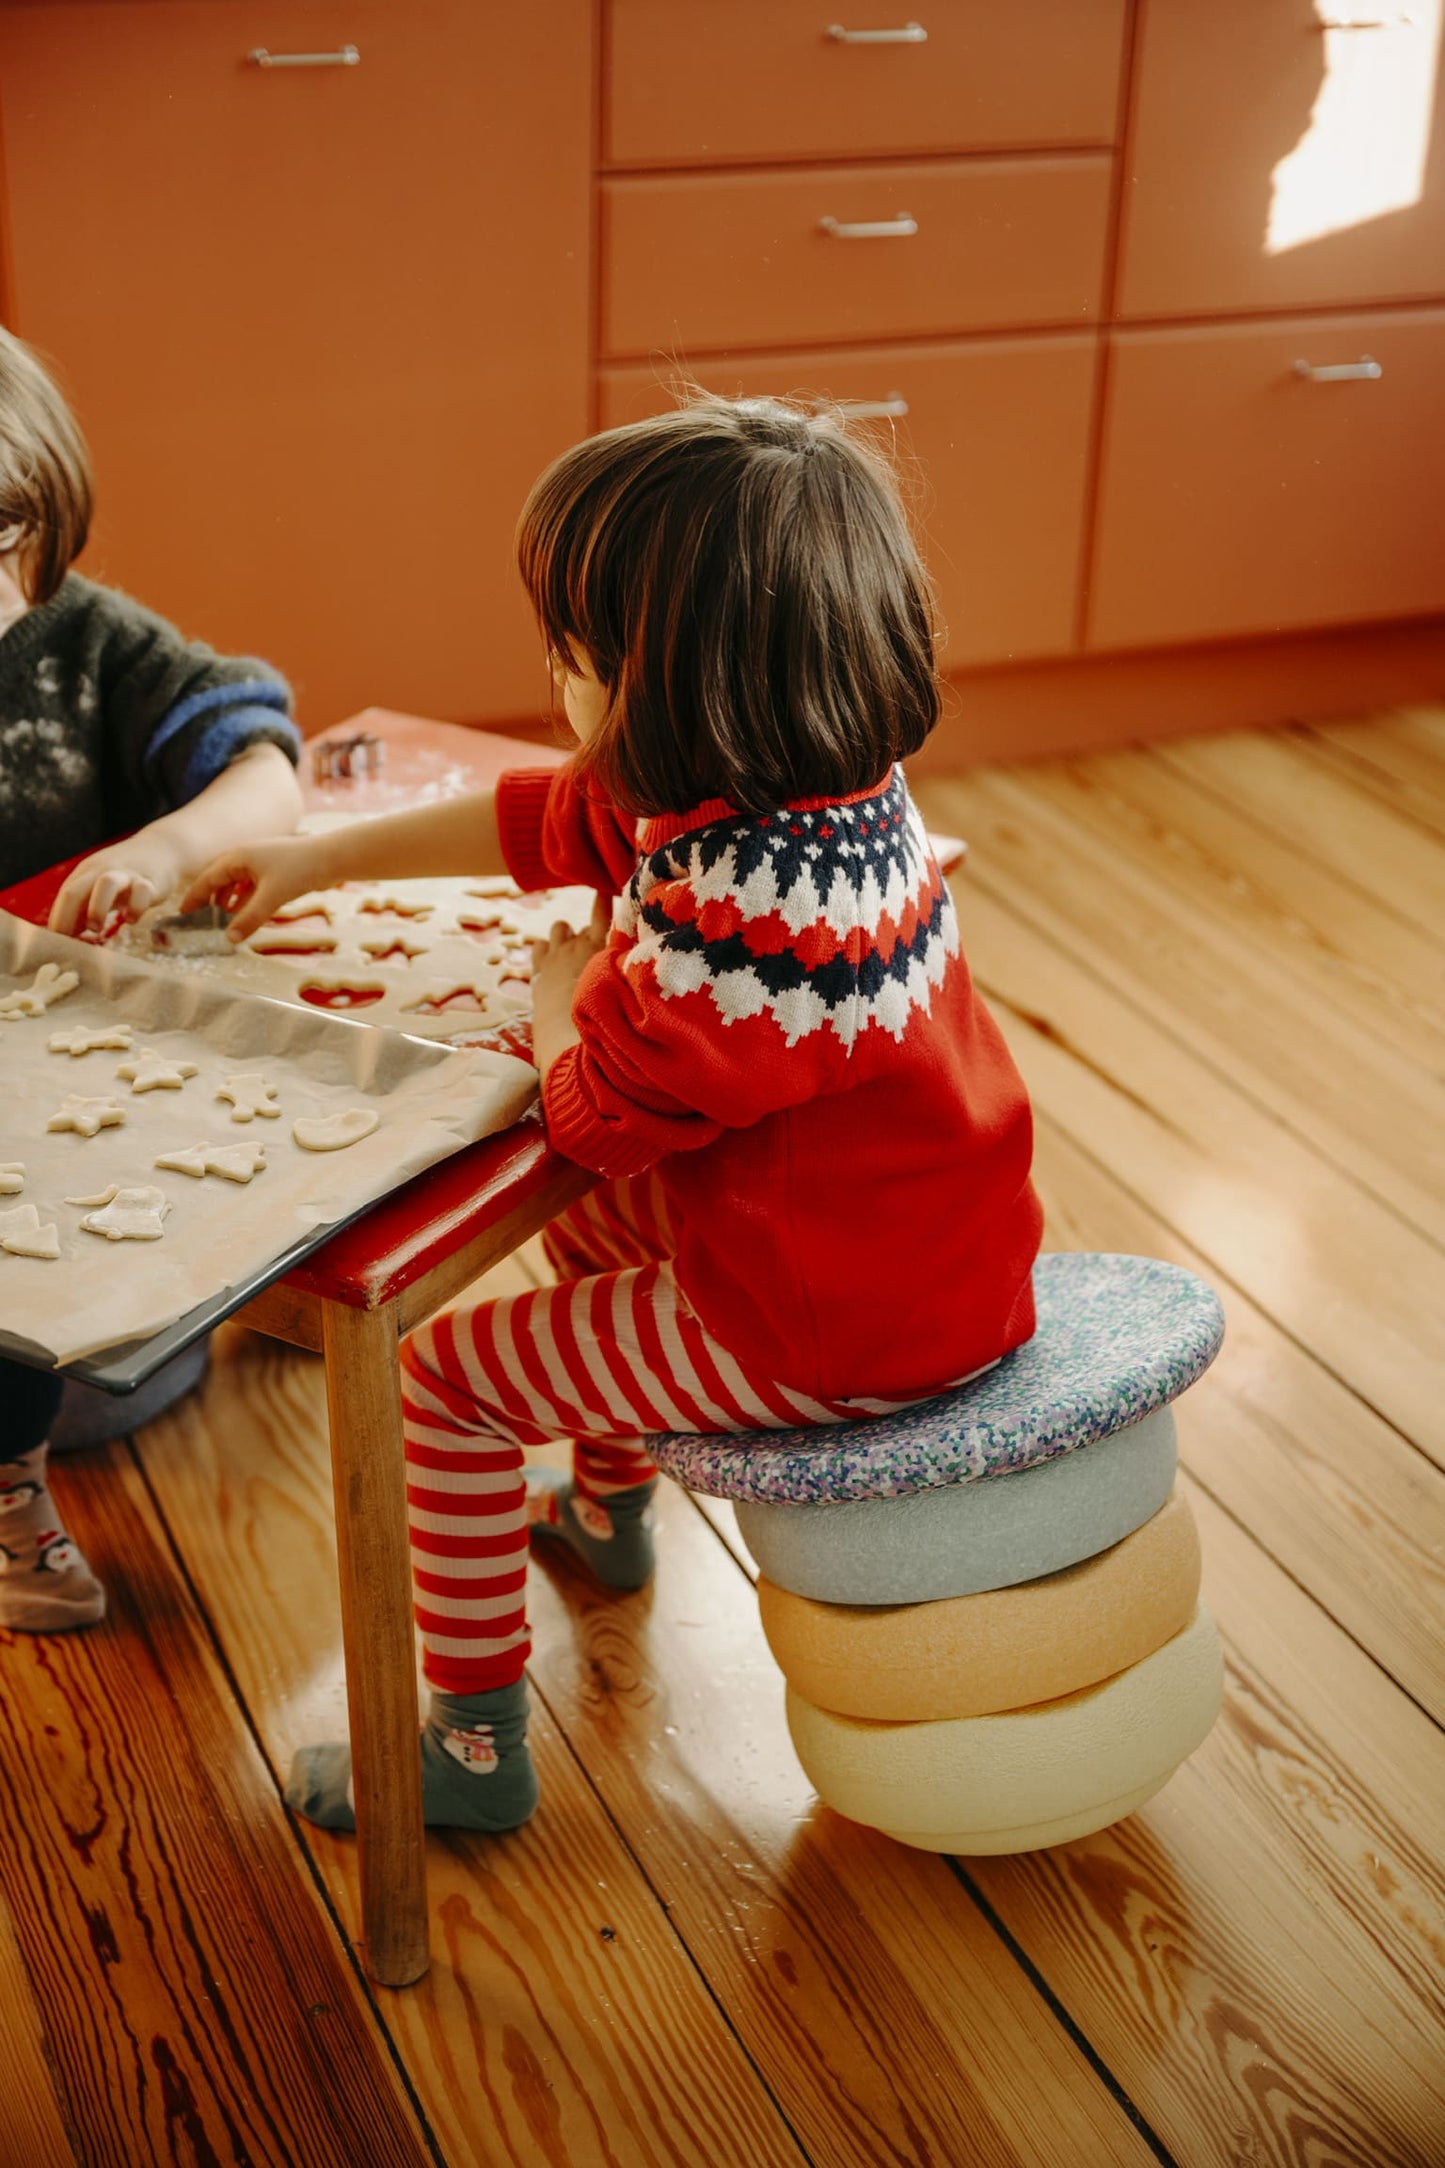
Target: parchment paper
99 1294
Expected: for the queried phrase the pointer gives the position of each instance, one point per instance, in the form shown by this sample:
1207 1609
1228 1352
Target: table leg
363 1390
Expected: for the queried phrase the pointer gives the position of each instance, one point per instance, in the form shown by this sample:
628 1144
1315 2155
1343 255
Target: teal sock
611 1535
476 1768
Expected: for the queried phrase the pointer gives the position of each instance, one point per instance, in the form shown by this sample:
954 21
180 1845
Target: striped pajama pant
608 1355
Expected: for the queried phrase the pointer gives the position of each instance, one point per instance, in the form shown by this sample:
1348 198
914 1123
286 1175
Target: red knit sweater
782 1021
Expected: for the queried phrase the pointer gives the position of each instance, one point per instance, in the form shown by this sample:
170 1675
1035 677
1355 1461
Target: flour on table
12 1177
80 1041
123 1214
333 1132
151 1072
23 1235
233 1162
49 984
86 1116
249 1095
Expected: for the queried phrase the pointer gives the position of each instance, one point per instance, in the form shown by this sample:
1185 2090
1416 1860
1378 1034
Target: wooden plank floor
1220 966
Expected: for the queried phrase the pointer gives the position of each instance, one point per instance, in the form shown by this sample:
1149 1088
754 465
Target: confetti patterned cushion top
1117 1337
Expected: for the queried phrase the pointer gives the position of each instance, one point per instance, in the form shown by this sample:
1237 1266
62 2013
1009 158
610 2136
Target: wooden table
352 1300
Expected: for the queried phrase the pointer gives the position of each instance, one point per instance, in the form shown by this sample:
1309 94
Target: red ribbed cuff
521 809
578 1131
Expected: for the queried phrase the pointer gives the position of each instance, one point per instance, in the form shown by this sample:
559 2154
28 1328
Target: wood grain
188 1980
561 2020
32 2127
1333 1265
1257 1953
1399 758
1264 978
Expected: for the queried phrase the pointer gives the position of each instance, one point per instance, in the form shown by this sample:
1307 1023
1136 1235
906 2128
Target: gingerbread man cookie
49 984
249 1095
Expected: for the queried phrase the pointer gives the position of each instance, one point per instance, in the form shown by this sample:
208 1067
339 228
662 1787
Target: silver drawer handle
906 34
345 56
1362 22
870 229
1340 372
892 409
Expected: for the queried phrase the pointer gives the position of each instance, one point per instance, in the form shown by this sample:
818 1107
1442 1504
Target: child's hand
116 884
561 959
255 879
557 964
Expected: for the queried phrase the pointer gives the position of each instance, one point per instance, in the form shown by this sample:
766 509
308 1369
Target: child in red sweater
814 1148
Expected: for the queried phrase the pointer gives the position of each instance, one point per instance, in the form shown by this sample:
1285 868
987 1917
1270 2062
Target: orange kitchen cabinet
708 262
720 82
1277 162
991 441
323 324
1248 488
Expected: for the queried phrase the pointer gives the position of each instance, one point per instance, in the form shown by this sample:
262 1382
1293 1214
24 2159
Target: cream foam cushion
1027 1777
1000 1649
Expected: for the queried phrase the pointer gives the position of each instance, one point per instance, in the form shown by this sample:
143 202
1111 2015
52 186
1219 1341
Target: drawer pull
345 56
905 34
1365 370
892 409
869 229
1363 22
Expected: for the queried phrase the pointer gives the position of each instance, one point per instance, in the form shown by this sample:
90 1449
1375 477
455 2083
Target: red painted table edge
413 1228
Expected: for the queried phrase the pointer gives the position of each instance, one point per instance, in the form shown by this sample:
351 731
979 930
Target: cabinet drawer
992 450
726 261
1240 497
1277 165
713 82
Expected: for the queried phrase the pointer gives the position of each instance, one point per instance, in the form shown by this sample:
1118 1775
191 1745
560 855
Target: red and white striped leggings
608 1355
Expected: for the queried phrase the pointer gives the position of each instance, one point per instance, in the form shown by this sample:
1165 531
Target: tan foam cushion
1000 1649
1053 1763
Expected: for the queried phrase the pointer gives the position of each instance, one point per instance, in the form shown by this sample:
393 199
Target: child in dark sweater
814 1146
109 722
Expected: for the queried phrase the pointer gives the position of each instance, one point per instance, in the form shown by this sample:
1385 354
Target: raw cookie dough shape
396 905
249 1095
12 1177
291 941
339 994
79 1041
126 1214
22 1234
49 984
443 997
151 1072
233 1162
498 918
333 1132
85 1116
301 907
383 950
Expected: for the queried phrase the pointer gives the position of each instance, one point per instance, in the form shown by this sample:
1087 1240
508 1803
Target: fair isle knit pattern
826 917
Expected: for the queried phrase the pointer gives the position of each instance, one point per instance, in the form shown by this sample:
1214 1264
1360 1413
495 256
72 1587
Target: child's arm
456 835
257 794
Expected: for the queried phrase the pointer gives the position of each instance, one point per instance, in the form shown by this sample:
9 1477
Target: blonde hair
45 486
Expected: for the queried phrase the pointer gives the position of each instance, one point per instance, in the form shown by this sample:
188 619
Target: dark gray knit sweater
109 718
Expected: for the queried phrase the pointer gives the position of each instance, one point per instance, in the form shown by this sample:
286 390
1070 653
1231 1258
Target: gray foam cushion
963 1537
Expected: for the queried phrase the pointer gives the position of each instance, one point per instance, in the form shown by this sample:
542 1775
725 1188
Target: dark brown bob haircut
741 577
45 488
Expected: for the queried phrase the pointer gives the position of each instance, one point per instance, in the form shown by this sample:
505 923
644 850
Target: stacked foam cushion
987 1607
